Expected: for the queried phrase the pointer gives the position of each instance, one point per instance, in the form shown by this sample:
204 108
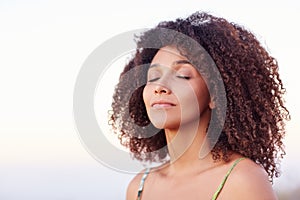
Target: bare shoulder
249 180
133 186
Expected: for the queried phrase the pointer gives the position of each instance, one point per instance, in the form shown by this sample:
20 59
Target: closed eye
153 79
184 77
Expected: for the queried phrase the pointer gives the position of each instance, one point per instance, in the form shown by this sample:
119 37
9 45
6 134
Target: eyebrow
176 62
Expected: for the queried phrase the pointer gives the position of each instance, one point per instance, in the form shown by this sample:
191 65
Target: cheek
146 96
193 99
203 98
189 104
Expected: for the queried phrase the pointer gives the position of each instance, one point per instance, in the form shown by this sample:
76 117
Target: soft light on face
175 93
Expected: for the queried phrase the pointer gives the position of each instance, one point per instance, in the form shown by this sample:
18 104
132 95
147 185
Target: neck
185 143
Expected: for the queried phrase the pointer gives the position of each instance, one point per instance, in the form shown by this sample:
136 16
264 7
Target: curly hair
255 113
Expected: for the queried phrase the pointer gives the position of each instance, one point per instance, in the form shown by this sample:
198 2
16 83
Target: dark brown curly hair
255 113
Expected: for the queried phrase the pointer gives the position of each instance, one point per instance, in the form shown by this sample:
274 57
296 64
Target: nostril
161 90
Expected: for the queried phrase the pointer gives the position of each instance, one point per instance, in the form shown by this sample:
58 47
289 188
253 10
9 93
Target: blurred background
43 45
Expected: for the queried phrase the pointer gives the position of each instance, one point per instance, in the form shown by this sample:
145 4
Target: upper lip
162 102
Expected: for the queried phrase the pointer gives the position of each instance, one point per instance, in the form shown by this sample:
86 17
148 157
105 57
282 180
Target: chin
160 124
163 122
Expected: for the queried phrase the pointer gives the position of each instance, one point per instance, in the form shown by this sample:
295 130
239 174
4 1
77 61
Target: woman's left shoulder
249 180
246 168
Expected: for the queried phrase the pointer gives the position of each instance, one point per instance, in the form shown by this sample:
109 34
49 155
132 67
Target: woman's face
175 93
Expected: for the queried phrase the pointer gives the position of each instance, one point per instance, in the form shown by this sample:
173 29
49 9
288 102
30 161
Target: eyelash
152 80
183 77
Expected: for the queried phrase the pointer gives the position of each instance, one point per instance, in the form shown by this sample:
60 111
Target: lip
162 104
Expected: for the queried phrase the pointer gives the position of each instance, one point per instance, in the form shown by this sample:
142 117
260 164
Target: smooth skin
175 97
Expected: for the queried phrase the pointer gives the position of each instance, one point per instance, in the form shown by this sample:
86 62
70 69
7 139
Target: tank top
214 197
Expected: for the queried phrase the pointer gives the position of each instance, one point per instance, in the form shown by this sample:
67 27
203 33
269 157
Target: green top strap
142 184
225 178
141 187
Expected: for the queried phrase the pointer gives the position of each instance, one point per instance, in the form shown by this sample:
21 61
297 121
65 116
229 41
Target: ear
212 104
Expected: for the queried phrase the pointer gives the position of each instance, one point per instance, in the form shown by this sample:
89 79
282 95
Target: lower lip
162 105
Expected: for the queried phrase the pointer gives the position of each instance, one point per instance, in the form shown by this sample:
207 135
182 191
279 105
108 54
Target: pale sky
43 45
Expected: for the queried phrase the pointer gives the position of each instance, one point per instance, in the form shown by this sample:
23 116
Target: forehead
167 55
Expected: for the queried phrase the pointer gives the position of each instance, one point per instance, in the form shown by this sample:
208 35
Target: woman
216 141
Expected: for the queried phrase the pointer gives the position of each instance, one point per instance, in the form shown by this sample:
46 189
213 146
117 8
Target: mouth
162 104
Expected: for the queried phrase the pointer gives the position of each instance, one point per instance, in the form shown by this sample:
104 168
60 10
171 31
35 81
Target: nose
160 89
